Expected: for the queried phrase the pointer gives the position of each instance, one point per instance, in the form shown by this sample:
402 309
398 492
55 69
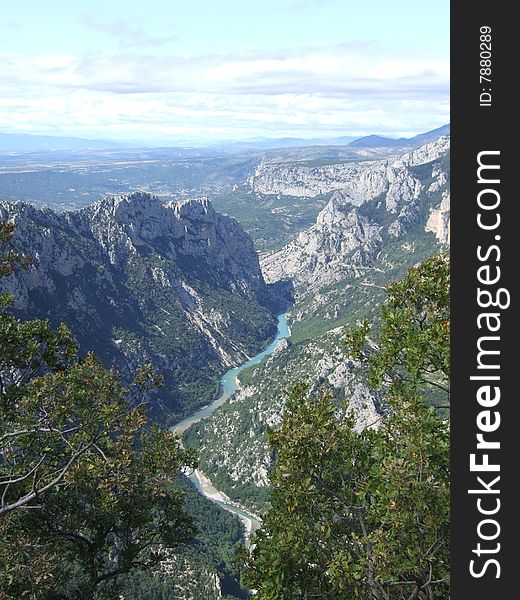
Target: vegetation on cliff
366 516
86 488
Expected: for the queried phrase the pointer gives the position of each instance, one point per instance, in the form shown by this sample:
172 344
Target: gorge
177 284
229 384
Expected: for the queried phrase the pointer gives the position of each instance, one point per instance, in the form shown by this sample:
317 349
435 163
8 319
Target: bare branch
34 493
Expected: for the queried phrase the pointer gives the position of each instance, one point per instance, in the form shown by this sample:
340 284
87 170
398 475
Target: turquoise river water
228 386
229 381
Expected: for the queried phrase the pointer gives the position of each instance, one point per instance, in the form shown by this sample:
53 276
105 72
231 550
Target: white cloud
124 30
350 89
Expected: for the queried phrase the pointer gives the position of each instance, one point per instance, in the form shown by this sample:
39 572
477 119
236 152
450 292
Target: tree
412 355
366 516
10 259
86 485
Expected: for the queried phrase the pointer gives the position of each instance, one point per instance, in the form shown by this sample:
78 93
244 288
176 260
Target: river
228 386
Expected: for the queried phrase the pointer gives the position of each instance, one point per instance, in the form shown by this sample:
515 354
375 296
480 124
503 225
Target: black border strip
483 124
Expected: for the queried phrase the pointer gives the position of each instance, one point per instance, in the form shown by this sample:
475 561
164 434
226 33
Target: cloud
205 116
125 31
12 25
344 89
318 70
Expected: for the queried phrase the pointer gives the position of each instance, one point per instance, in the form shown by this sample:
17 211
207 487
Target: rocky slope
232 444
137 280
375 202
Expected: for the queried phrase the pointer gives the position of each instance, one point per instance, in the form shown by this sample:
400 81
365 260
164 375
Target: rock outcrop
439 220
376 202
174 284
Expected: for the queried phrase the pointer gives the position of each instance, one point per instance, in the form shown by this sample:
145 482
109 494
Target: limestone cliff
137 280
377 202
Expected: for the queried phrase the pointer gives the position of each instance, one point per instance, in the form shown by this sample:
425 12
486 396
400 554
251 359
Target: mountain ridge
374 140
138 280
27 143
344 238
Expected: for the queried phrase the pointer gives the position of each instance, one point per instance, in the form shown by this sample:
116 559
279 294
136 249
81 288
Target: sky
172 71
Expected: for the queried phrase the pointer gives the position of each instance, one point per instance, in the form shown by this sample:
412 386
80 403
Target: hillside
139 281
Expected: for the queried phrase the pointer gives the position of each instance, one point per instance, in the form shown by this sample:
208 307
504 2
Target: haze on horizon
171 71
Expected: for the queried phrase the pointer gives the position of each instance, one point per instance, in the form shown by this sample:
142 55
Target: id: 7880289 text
485 65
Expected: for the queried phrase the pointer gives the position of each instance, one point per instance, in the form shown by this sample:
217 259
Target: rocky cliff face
342 240
362 179
137 280
439 220
376 202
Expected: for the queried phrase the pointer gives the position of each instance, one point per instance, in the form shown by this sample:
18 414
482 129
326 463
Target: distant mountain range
278 143
378 141
369 141
27 143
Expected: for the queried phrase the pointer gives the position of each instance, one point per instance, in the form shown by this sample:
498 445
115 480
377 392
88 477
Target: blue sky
201 70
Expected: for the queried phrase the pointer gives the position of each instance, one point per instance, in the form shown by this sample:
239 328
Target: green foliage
192 568
85 484
271 220
361 516
219 538
9 257
366 516
412 352
355 340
